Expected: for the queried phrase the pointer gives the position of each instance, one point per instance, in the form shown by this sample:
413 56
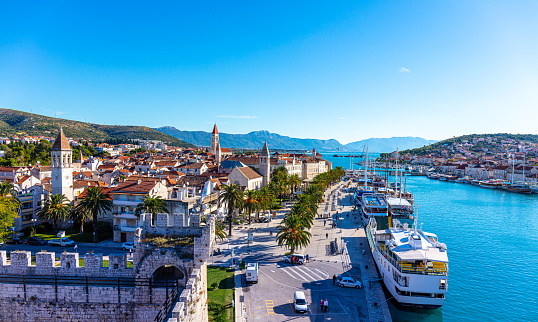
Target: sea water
492 240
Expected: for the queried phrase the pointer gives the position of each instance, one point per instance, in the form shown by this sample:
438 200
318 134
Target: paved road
270 299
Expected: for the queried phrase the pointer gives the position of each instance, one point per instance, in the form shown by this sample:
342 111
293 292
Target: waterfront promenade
271 298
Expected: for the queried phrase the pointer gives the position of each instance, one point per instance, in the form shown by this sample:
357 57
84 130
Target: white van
299 302
252 272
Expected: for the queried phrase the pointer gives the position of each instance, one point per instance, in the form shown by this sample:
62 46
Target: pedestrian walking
324 222
334 279
321 305
326 235
307 258
326 305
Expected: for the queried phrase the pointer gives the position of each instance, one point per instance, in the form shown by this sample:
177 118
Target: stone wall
136 302
171 224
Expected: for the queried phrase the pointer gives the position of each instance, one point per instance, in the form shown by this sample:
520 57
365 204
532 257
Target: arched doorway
167 274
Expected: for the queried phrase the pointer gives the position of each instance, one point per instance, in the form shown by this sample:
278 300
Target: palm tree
55 208
233 197
250 203
220 230
295 182
9 207
82 215
152 205
94 202
292 233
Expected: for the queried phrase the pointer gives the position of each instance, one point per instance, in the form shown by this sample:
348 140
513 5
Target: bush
242 265
214 285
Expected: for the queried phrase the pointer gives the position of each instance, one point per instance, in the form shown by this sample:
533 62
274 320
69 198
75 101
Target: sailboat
519 187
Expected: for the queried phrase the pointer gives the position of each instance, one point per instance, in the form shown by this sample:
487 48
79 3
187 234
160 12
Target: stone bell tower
214 140
61 162
265 165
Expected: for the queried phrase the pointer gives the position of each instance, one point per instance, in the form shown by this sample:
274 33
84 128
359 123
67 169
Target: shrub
214 285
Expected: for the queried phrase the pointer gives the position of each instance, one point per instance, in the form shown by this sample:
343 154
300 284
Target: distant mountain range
22 123
255 140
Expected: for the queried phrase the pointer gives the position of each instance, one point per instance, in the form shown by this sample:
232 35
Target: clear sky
347 70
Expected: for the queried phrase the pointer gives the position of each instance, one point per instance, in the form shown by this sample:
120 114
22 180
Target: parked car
36 241
63 242
127 246
300 258
349 282
299 302
15 240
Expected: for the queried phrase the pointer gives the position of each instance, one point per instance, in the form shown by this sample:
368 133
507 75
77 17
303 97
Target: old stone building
64 289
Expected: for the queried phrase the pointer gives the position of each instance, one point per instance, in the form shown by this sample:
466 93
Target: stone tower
218 154
214 140
265 165
61 162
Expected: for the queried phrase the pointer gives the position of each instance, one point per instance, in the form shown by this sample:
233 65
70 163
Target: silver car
349 282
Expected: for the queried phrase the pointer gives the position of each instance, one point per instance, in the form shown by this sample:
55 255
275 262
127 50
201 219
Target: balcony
125 228
122 202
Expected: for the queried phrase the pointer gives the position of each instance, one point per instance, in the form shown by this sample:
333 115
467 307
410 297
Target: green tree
220 230
295 182
152 205
9 207
292 233
95 201
55 208
80 215
232 196
250 203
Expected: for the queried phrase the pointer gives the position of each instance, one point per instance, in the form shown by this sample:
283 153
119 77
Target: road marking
302 271
270 307
313 273
341 305
294 272
322 273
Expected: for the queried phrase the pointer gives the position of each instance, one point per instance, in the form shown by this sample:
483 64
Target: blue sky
347 70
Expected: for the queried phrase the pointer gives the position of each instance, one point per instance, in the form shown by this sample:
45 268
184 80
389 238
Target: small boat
518 188
451 178
442 177
463 180
433 175
491 184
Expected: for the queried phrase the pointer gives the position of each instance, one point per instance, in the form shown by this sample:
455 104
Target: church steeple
214 140
61 163
265 164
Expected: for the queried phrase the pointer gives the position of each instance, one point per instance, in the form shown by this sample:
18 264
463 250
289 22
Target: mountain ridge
24 123
255 140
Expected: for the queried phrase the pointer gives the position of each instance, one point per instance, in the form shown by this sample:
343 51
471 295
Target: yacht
412 263
374 206
400 209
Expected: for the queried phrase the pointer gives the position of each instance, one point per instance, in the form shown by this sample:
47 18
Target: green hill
436 147
22 123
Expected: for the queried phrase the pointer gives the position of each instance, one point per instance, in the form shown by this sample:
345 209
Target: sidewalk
239 298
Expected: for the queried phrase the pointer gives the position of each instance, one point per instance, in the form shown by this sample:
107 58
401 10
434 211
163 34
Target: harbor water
492 239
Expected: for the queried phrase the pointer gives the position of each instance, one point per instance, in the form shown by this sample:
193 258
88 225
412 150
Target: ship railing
437 268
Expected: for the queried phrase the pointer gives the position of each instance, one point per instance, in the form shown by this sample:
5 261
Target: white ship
412 264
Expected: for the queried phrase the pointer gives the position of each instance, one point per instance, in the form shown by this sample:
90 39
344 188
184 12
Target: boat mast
513 161
366 170
524 161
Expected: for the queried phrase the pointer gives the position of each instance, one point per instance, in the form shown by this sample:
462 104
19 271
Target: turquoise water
492 239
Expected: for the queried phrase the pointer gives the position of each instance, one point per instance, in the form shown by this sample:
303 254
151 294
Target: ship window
442 284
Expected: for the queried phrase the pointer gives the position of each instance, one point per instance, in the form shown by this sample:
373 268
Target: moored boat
412 263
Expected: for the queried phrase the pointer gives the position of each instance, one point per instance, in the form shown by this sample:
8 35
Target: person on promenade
307 258
334 279
321 305
324 222
327 236
326 305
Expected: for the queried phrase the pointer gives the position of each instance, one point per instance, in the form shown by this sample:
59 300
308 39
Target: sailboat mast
366 169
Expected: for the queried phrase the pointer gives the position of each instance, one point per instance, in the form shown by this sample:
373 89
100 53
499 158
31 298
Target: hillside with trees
22 123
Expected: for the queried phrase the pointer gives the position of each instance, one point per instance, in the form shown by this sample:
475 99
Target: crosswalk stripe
286 271
313 273
301 270
322 273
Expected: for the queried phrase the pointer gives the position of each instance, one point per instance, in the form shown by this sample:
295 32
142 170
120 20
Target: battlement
20 263
171 224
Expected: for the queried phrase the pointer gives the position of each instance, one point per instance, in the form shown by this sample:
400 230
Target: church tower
265 165
218 154
214 140
61 162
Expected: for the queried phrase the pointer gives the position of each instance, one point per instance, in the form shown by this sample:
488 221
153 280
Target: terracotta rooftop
135 187
61 142
249 173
